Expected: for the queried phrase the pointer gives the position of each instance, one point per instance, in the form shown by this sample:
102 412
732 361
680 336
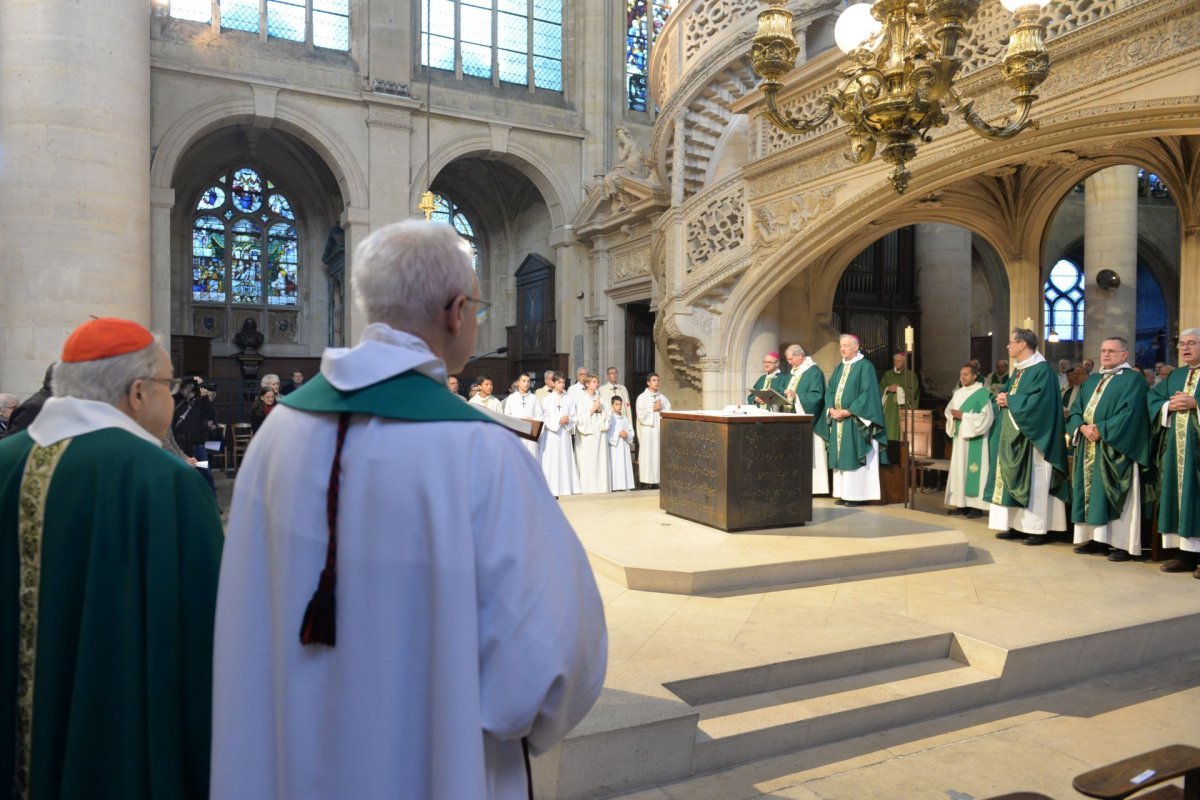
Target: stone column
162 200
569 283
1189 278
1110 242
943 257
1025 299
356 223
712 384
74 174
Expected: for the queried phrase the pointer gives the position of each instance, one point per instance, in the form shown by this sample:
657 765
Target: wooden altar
737 472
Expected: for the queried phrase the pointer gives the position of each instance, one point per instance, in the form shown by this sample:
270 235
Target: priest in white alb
969 418
650 405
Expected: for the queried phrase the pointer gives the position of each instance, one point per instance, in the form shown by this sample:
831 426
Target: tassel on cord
319 625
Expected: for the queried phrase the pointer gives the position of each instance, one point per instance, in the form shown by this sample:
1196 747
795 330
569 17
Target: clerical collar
898 371
857 357
969 385
1117 368
1036 358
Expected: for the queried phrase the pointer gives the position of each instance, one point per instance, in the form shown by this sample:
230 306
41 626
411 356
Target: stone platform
732 649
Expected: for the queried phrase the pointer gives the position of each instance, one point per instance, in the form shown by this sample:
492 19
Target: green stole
975 403
410 396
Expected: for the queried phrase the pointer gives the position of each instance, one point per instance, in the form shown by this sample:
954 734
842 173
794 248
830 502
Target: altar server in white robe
620 441
591 439
524 404
485 397
969 418
650 405
437 640
557 447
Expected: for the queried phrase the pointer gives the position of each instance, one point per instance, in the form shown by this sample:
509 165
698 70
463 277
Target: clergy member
969 417
766 380
613 388
439 644
1111 435
577 388
650 405
997 379
804 387
620 441
522 403
484 397
1174 417
852 427
591 439
109 582
900 390
547 385
1029 479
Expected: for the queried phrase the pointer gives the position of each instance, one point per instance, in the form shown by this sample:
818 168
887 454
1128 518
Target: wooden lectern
737 472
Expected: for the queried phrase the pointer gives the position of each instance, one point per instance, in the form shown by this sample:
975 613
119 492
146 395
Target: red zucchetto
105 337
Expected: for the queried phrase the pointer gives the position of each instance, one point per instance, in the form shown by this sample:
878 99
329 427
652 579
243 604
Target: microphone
497 352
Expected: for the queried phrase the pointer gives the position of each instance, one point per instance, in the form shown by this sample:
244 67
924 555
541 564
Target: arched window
446 210
1064 302
508 41
245 249
643 20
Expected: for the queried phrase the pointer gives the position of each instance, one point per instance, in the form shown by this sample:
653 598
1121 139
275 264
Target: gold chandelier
900 80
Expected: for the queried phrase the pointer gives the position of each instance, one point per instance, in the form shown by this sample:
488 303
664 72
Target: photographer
195 422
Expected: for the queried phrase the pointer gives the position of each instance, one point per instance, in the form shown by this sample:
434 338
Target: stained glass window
643 21
285 19
1064 302
232 231
446 210
520 41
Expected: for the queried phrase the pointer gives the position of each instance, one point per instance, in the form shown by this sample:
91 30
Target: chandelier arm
791 124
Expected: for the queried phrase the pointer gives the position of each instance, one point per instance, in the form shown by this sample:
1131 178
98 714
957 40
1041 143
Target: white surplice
591 444
490 402
525 406
649 433
557 447
457 635
620 458
972 425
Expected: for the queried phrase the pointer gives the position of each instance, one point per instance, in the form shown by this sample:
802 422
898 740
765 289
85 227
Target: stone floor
1067 662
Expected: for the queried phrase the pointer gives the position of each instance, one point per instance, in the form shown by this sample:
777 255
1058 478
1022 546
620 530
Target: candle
908 338
1028 324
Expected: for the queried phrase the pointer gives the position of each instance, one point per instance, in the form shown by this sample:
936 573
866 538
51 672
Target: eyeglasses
1190 343
481 314
172 384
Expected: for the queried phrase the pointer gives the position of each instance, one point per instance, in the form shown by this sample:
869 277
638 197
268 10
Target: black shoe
855 503
1035 540
1176 565
839 502
1118 555
1092 548
1011 535
974 513
955 512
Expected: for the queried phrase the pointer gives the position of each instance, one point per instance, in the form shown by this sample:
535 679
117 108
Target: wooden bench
1124 778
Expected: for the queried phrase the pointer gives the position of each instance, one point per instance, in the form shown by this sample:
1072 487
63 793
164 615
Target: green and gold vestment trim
31 521
1089 447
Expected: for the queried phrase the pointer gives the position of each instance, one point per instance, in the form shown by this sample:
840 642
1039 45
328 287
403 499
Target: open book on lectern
529 429
770 397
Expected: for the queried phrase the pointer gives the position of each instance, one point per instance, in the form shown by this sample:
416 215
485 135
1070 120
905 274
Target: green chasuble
1178 455
1103 471
765 382
891 405
110 643
974 404
809 387
1035 406
852 388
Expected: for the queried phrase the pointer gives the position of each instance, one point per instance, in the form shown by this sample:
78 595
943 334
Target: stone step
751 727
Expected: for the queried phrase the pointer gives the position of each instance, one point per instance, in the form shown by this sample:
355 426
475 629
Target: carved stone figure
631 162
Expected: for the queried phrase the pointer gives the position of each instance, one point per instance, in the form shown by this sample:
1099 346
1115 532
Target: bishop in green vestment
1029 475
768 380
900 388
107 586
852 426
1173 416
1111 434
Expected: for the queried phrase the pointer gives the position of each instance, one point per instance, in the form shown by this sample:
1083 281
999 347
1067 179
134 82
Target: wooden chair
1125 778
220 457
242 432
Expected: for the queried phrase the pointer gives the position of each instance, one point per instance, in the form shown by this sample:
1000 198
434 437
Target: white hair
405 273
850 336
1190 332
793 350
267 380
107 379
8 400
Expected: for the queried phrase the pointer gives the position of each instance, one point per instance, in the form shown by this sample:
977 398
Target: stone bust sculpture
631 161
248 339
